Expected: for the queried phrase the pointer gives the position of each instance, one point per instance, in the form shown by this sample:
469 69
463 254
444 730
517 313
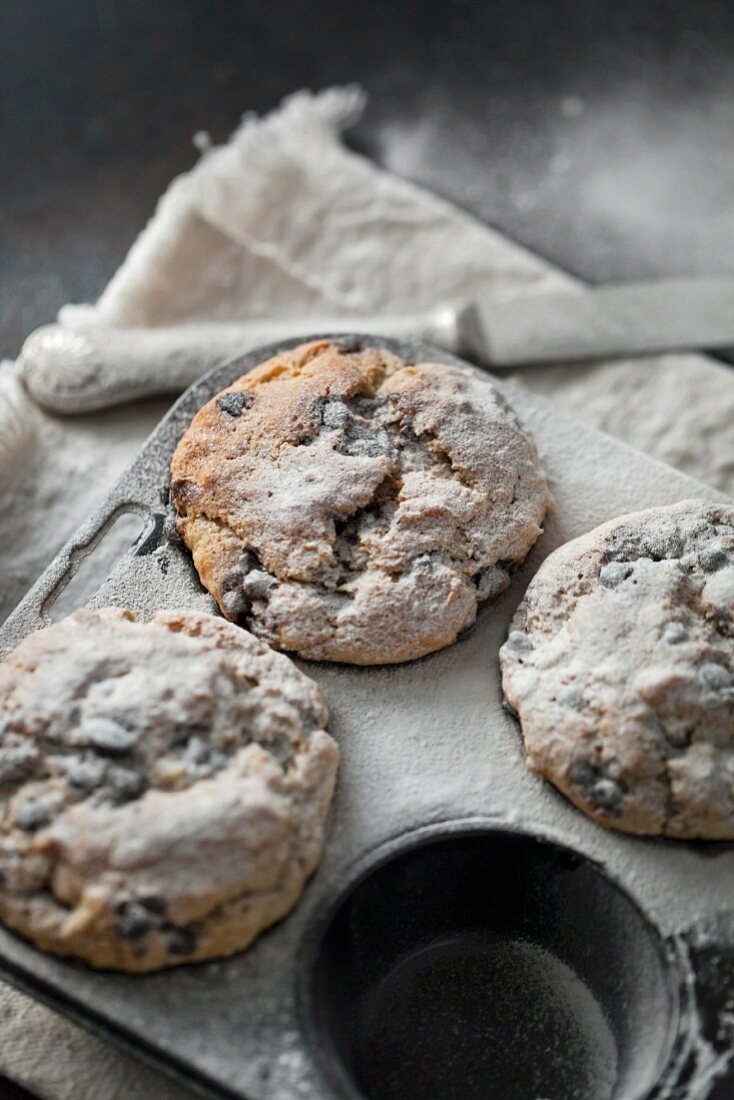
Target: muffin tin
469 934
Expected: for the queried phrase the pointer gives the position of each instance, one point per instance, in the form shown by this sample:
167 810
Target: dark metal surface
10 1091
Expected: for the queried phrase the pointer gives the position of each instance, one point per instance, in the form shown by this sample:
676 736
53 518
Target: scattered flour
680 408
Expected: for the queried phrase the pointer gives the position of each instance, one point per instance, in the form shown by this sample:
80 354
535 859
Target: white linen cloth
285 220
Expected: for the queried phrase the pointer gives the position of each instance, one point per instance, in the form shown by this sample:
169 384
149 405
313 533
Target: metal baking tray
467 925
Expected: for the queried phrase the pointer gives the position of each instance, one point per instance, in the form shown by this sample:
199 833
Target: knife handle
73 370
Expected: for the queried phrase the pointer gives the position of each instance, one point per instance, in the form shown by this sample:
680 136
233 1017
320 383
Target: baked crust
620 666
349 507
163 787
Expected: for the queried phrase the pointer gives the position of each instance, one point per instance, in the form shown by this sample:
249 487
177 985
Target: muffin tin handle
34 610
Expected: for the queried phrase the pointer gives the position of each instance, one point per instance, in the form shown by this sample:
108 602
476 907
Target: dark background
598 133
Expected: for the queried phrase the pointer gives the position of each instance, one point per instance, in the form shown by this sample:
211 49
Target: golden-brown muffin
347 506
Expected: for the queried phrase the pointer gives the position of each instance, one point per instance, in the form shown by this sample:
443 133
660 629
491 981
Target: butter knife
72 370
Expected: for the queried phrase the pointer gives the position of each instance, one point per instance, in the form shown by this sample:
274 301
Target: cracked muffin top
620 666
347 506
163 787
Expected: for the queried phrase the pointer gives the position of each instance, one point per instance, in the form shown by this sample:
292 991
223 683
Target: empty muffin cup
489 964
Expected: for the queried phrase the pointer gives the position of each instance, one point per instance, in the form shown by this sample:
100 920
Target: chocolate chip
197 752
712 557
310 721
490 582
675 633
154 903
607 796
258 584
84 774
181 940
234 404
235 603
571 697
250 561
613 769
217 761
659 548
236 595
137 917
519 642
598 788
108 736
125 784
349 344
715 676
367 407
363 442
614 573
423 564
333 412
246 563
31 816
584 775
182 492
17 762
